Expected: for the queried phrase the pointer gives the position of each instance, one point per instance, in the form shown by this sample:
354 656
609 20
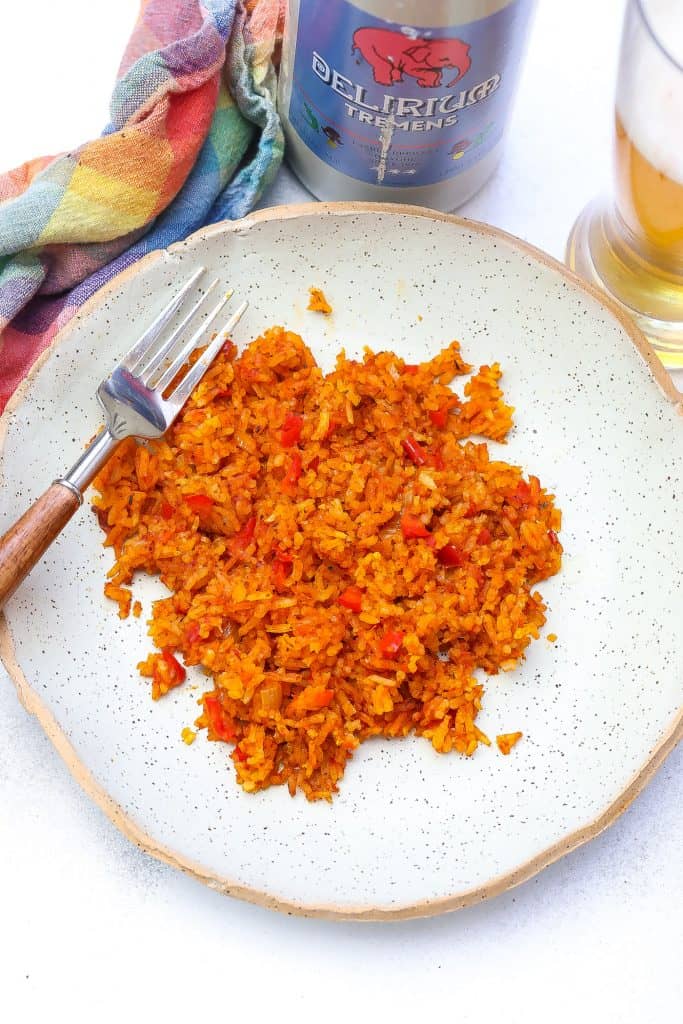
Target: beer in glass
632 245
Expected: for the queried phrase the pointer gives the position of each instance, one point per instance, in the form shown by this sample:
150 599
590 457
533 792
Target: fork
138 400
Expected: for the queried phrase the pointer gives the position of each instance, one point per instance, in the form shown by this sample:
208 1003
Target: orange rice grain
507 740
317 302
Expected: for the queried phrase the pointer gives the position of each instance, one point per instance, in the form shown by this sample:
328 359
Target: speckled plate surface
411 832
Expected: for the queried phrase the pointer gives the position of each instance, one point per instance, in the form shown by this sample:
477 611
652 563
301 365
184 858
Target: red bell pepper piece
176 670
390 644
351 598
279 574
168 673
439 417
451 556
413 527
199 503
414 451
291 430
293 473
242 539
219 722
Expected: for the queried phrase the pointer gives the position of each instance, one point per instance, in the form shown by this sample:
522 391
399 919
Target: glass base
599 251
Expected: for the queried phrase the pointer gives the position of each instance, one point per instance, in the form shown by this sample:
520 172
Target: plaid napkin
194 138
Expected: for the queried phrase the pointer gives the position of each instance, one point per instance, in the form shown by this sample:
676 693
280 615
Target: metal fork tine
134 408
141 346
197 371
148 364
189 346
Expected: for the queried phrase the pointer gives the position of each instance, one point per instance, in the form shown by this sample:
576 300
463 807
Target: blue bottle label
394 104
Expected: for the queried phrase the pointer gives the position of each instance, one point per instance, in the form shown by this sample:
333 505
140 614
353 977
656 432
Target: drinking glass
632 244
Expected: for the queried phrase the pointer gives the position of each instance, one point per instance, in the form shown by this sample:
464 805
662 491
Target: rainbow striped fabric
194 138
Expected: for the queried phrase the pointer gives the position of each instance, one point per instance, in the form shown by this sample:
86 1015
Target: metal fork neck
83 472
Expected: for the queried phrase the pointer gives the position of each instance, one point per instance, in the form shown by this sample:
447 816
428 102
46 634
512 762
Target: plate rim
33 703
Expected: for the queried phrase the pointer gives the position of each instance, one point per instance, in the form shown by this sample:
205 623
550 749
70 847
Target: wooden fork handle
29 538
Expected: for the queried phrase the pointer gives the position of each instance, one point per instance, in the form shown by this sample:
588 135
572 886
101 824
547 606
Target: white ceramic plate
411 832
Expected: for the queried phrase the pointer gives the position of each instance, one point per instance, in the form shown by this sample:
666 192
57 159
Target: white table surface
90 928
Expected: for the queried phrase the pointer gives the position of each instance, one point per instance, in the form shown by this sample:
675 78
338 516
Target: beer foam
650 86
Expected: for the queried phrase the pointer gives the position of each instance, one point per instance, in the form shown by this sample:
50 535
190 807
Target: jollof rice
340 558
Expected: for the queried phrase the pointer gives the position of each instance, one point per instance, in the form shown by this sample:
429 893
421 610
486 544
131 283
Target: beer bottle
403 100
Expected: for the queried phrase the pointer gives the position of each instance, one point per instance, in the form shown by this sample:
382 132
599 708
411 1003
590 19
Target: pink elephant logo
391 55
